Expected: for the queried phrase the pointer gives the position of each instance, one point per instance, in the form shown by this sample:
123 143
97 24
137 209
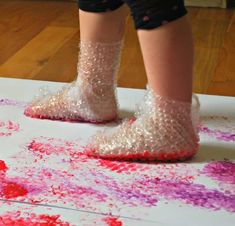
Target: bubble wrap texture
164 130
92 97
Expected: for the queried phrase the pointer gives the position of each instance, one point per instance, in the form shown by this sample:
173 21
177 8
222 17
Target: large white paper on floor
45 176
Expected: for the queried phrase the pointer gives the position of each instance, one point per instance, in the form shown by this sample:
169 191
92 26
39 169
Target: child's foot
165 130
74 104
92 97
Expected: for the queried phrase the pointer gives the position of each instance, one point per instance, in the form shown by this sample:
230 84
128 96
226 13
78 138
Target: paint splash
223 172
47 146
8 128
12 190
112 221
218 134
3 166
219 127
16 218
190 193
119 167
9 189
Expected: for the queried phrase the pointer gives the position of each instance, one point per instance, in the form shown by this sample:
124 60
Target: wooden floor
39 40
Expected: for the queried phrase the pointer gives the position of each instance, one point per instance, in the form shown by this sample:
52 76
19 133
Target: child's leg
165 128
168 58
92 96
102 27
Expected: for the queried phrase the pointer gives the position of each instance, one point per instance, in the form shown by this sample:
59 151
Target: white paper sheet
42 163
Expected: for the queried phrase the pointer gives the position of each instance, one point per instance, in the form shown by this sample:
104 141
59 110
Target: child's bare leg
104 27
92 96
166 126
168 58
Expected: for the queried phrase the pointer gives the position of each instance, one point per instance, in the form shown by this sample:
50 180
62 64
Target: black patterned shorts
147 14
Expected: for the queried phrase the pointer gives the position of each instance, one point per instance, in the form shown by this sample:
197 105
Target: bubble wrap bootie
92 97
164 130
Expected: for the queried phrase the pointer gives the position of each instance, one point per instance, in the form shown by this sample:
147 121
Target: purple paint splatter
218 134
223 171
9 102
195 194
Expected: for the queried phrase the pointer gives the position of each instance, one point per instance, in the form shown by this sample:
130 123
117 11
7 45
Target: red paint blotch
13 190
119 167
11 219
3 166
112 221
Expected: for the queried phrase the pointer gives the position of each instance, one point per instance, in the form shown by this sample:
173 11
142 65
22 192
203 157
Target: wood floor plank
209 31
209 25
38 40
226 88
20 22
62 66
204 68
132 73
223 80
32 57
69 18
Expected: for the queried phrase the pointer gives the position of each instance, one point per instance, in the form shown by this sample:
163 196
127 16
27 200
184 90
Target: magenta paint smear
8 128
223 172
218 134
219 127
15 103
189 193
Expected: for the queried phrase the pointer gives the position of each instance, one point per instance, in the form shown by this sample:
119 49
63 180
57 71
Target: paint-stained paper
45 177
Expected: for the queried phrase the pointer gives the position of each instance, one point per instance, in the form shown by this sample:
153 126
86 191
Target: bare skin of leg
168 58
103 27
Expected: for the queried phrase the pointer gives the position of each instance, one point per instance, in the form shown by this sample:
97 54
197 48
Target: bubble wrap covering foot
92 97
164 130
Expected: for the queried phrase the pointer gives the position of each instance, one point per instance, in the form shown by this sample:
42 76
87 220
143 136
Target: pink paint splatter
119 167
223 172
16 218
218 134
44 146
178 171
112 221
8 128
